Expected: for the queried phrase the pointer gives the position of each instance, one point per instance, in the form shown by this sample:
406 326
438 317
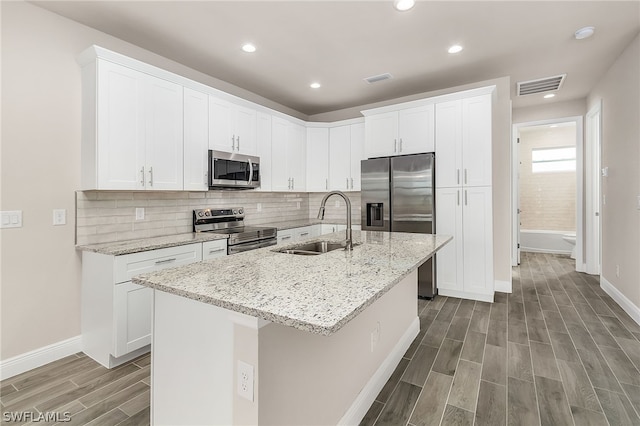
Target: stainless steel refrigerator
398 195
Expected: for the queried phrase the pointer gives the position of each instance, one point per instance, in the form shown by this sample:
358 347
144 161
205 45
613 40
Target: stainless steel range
230 221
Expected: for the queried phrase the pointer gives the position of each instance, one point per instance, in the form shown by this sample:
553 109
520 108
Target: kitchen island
271 338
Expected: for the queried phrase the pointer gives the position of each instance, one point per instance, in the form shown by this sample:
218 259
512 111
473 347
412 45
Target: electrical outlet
59 217
245 380
337 203
139 213
298 205
618 271
259 207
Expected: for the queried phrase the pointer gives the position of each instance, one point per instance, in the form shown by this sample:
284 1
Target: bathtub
545 241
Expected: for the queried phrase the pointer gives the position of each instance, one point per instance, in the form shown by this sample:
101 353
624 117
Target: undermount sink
313 248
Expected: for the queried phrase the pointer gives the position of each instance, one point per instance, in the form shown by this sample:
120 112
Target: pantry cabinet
132 133
346 144
288 156
317 159
401 132
232 128
196 140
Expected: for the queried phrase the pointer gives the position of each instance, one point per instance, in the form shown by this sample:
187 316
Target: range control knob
200 214
235 211
206 213
241 211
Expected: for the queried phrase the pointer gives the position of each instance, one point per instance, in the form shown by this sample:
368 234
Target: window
562 159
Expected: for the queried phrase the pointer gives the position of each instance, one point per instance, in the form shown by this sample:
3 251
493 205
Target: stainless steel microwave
233 171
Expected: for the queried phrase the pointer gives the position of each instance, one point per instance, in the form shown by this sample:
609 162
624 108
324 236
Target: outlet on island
245 380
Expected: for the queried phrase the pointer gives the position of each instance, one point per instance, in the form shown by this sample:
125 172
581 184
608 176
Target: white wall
619 90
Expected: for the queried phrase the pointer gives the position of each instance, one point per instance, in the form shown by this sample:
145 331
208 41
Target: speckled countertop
134 246
319 294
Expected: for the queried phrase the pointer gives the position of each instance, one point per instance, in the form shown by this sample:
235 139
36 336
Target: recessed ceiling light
585 32
455 48
403 5
549 96
315 85
249 48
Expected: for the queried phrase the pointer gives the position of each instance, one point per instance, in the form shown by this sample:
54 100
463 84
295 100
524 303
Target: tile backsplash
109 216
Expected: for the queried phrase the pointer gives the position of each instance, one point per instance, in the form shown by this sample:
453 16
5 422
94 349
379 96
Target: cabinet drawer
213 249
154 260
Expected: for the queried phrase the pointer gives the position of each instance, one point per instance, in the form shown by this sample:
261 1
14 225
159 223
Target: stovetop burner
230 221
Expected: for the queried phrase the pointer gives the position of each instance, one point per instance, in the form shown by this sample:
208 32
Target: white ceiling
339 43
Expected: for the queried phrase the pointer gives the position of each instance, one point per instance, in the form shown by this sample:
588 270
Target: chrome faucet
346 199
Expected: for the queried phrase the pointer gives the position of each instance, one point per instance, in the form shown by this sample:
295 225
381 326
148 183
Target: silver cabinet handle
304 234
287 237
458 176
142 176
458 193
160 262
217 250
238 142
326 184
151 176
465 176
400 145
465 197
289 184
293 183
347 183
351 183
395 145
206 178
233 142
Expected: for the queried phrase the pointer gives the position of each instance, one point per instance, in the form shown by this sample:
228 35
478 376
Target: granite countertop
134 246
318 294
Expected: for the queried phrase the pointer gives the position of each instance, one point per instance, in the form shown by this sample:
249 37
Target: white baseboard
626 304
368 394
482 297
503 286
38 357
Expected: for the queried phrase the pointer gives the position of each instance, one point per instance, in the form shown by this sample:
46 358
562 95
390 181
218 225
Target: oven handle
250 172
246 247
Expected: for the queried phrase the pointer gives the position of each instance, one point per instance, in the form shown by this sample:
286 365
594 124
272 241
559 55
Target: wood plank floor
557 351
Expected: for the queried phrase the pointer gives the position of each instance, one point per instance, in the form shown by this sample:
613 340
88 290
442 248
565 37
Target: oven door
239 248
227 170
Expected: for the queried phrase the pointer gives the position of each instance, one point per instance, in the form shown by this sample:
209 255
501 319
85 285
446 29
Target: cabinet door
302 233
244 130
381 135
297 157
221 137
164 136
196 140
478 240
416 130
476 140
214 249
357 154
339 158
448 144
285 236
280 177
120 127
317 159
449 259
263 141
132 317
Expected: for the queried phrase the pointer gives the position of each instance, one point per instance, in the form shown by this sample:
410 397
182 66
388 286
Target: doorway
593 235
547 173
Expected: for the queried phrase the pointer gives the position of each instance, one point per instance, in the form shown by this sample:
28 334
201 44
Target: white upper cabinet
263 138
346 144
406 131
232 128
288 155
196 140
357 154
463 142
132 130
317 159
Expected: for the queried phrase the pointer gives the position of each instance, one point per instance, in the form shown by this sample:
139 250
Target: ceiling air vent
377 78
541 85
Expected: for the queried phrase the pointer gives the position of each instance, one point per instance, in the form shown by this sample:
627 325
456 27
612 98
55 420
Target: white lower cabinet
296 234
116 314
465 264
214 249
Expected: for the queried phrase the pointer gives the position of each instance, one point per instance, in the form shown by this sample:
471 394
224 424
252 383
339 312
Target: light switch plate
11 219
59 217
